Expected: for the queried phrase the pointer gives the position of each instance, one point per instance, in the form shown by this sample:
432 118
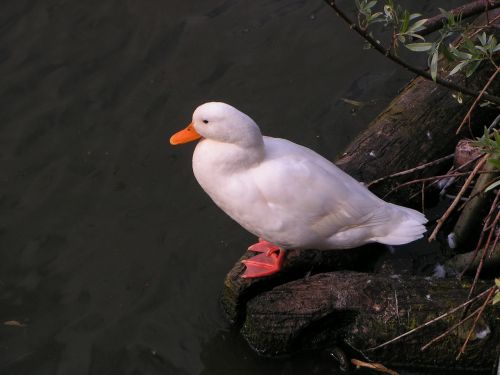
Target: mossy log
361 310
469 263
309 304
298 264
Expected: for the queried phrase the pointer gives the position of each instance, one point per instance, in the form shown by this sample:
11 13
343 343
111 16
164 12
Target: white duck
287 195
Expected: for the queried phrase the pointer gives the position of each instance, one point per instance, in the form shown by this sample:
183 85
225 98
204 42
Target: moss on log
299 263
467 261
363 310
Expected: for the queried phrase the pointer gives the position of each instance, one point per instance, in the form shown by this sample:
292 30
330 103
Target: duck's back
331 208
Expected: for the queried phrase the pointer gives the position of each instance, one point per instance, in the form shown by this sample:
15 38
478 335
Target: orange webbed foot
267 263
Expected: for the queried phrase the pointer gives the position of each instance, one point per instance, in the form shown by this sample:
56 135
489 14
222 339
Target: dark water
111 256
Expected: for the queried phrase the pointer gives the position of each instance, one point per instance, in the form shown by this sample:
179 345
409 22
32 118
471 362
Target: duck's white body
289 194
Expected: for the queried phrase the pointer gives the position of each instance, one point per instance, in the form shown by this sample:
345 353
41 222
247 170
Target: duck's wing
299 183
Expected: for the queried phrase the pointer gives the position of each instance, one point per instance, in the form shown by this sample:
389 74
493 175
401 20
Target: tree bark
238 291
362 310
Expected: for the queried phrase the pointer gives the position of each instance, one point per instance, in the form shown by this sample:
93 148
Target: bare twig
462 349
411 170
483 257
440 177
494 123
378 46
453 204
474 104
452 170
447 332
373 366
423 196
426 324
468 199
481 236
494 245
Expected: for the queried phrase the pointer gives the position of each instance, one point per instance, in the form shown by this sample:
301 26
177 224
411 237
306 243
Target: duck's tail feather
411 227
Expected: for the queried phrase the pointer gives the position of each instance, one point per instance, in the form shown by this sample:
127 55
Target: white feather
289 194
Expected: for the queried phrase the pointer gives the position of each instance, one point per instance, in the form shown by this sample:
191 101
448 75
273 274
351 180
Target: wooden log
461 262
361 310
237 291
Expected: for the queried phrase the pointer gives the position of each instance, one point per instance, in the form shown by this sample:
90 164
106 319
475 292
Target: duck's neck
228 157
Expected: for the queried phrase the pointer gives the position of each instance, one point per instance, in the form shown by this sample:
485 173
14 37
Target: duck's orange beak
185 136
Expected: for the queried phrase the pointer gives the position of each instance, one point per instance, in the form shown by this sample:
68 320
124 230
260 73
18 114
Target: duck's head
220 122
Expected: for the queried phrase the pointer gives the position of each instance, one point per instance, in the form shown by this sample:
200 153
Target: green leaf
447 54
417 36
405 23
414 15
496 134
458 67
419 47
492 186
496 299
459 54
482 49
471 68
482 38
418 26
486 103
469 44
434 65
497 283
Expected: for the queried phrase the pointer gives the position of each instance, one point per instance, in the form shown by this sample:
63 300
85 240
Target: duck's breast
233 188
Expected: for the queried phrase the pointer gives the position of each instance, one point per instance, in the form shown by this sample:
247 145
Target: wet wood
363 310
298 264
467 261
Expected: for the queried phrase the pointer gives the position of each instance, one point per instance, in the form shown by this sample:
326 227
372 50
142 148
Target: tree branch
453 204
375 44
417 168
467 10
481 94
462 349
428 323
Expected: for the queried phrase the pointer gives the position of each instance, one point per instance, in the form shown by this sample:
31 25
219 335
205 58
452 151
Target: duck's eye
205 121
